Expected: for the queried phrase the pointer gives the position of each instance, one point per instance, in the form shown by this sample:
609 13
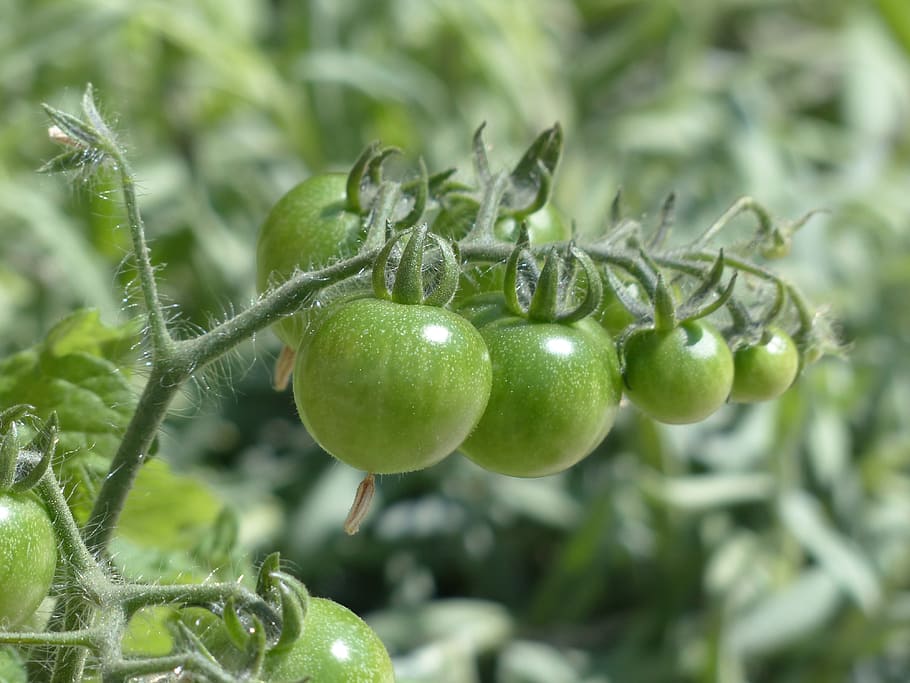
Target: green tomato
556 390
678 376
28 557
389 387
309 227
336 646
765 370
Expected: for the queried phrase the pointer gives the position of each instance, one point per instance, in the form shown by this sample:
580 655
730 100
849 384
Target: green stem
128 669
161 387
80 638
160 335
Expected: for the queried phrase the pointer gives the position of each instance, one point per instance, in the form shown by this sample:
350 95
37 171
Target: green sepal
9 457
420 199
187 640
71 160
408 285
78 131
380 267
449 271
665 222
43 445
479 156
355 178
709 283
541 197
593 288
237 633
542 155
510 279
664 306
709 308
294 604
545 300
266 583
488 212
629 302
374 166
12 414
256 647
616 208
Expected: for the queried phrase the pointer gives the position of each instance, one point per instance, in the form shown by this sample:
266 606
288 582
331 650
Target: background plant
715 533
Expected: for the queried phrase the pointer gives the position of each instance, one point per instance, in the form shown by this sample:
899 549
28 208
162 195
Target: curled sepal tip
481 160
188 641
256 647
421 191
409 285
541 197
543 154
709 308
36 457
511 283
593 287
630 302
266 583
355 177
294 603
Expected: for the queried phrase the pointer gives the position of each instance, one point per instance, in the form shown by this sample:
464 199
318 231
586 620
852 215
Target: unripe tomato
389 387
681 375
556 390
765 370
309 227
336 646
28 557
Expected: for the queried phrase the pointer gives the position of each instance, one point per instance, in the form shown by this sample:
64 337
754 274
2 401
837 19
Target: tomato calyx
547 295
409 284
23 466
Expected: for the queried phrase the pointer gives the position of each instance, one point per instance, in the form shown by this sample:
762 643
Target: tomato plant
680 375
389 387
309 227
526 383
28 556
335 646
765 370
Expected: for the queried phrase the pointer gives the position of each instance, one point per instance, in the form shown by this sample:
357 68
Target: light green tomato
336 646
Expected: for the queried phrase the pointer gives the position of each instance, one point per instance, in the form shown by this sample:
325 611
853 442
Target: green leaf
164 527
80 371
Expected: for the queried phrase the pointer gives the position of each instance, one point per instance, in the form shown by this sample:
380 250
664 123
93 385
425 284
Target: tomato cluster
387 383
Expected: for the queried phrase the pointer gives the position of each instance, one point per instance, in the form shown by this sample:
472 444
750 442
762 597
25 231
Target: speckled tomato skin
678 376
388 387
764 371
556 391
28 557
336 646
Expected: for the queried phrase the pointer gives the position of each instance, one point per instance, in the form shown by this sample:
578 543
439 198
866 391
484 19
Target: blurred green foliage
770 543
